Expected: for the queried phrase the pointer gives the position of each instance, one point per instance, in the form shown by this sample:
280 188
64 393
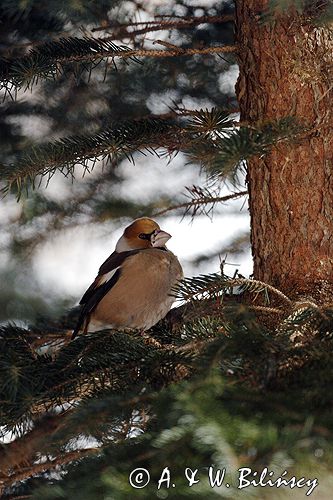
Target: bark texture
286 70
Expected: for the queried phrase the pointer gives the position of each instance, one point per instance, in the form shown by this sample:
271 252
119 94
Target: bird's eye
144 236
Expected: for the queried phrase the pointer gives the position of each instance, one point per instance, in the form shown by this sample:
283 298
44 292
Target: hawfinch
133 286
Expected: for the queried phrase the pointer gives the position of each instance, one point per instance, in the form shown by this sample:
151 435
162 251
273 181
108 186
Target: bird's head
142 233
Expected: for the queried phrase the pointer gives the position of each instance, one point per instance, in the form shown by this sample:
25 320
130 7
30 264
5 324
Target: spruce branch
49 59
210 342
179 51
47 466
76 370
214 123
201 201
213 285
268 310
308 317
110 144
66 153
206 136
23 449
221 152
120 30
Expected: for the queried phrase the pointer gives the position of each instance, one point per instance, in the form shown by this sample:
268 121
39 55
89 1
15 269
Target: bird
133 288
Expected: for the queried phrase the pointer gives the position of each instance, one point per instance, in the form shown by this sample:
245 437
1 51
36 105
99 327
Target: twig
203 201
46 466
177 52
243 281
268 310
23 450
20 497
193 346
135 53
121 29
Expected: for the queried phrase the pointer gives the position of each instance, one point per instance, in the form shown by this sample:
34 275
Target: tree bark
286 69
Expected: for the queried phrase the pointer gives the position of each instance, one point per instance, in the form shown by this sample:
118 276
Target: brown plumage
133 286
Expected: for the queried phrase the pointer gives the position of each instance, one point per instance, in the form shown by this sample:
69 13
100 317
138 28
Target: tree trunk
286 70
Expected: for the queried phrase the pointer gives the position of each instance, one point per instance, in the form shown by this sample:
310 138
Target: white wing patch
106 277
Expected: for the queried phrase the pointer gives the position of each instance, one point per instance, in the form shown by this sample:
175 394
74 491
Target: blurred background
53 240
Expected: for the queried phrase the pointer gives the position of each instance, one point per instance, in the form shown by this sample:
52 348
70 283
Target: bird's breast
141 296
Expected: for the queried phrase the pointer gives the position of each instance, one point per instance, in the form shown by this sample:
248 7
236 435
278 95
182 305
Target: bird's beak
159 238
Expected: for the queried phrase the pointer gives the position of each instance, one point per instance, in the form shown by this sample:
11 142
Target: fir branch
179 51
77 370
211 123
253 286
206 136
199 199
307 317
120 30
24 449
212 285
49 465
110 144
225 149
66 153
48 60
268 310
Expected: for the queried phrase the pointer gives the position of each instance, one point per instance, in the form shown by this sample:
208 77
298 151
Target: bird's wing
106 273
107 277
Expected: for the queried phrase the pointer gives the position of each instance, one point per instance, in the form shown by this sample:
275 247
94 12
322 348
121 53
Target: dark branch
202 201
120 31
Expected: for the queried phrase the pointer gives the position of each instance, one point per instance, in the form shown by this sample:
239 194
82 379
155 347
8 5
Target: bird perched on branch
133 286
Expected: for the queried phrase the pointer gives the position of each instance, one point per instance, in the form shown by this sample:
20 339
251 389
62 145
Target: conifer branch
77 370
200 199
49 465
211 285
66 153
207 136
268 310
221 154
120 31
251 286
47 60
23 449
179 51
